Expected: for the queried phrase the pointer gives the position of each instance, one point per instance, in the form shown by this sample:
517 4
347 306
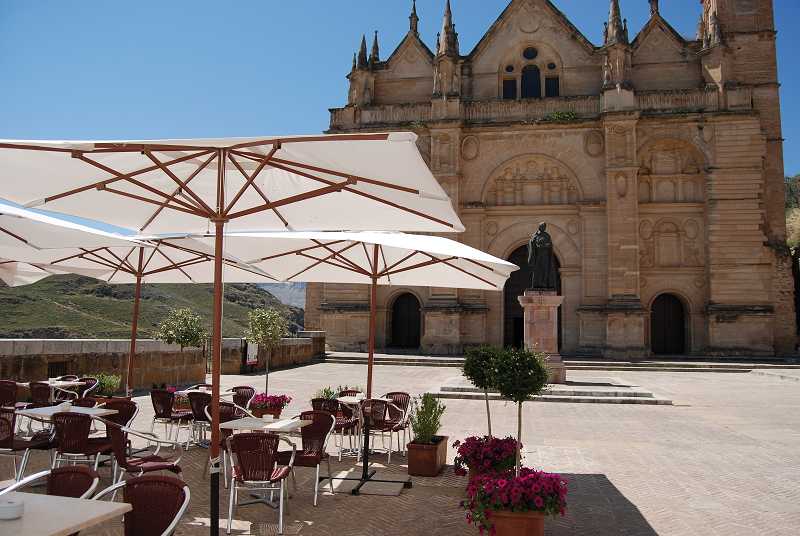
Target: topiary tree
519 376
479 368
184 327
266 327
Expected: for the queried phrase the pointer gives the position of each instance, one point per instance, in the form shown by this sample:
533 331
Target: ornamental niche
671 171
532 180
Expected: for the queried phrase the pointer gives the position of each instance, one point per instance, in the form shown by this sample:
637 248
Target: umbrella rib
99 184
376 182
249 179
383 256
420 265
181 184
340 257
13 235
175 266
447 262
123 260
151 201
247 269
288 200
387 270
278 255
178 190
324 260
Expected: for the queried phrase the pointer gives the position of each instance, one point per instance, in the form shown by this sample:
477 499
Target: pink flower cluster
531 491
265 401
485 454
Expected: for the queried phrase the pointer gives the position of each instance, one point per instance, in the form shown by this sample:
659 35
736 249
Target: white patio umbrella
373 258
351 181
16 274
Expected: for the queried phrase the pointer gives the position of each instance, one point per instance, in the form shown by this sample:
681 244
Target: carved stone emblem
593 143
470 148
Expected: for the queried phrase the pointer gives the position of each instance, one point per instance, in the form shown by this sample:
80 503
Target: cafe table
283 426
51 515
63 385
46 413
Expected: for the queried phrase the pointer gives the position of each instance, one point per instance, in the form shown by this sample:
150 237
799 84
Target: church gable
658 42
410 60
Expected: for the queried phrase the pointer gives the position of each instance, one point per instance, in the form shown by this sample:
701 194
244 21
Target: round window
551 66
530 53
509 68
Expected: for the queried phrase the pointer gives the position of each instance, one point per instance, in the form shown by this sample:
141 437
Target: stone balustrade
529 110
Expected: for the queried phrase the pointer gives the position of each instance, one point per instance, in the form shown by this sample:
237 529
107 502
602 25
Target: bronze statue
542 261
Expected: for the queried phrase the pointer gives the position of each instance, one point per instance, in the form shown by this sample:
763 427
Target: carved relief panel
532 180
671 172
443 154
670 243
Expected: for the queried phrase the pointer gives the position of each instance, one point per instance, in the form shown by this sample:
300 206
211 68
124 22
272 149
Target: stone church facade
655 160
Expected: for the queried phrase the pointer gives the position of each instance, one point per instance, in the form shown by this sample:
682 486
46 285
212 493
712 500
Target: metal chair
163 412
74 481
11 445
325 404
200 424
349 392
72 438
228 411
138 465
373 412
399 418
40 394
314 440
254 459
159 503
90 385
242 395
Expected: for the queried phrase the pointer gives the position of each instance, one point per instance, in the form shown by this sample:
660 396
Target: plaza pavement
722 461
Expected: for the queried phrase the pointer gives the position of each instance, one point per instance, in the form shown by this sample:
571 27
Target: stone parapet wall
156 362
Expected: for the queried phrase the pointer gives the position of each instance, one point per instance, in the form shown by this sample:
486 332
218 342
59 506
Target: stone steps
565 395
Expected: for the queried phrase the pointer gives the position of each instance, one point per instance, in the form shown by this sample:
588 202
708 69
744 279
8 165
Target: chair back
158 503
374 412
398 409
242 395
8 419
349 392
40 394
254 455
163 402
67 378
315 435
71 481
119 443
8 393
126 412
72 431
198 403
206 386
325 404
90 385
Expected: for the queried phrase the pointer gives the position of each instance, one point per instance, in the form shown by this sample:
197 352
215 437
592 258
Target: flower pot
507 523
427 459
260 412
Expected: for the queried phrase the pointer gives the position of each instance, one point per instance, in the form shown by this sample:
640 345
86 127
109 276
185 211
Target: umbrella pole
373 306
216 360
134 325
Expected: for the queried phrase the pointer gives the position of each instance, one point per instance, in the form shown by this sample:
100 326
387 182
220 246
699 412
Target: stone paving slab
783 374
722 461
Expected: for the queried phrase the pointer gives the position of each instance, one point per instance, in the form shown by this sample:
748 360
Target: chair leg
23 464
231 497
316 485
280 508
390 446
224 469
294 480
330 475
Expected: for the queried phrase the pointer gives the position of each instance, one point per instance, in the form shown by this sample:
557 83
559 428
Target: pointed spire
653 8
448 38
354 61
375 55
414 19
616 28
363 62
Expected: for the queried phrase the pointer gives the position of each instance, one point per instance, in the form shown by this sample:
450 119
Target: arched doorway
406 322
667 326
516 285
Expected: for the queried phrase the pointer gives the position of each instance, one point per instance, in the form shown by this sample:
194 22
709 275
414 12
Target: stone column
541 328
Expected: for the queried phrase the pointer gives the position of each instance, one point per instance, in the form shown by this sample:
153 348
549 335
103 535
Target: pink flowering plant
265 401
485 454
531 491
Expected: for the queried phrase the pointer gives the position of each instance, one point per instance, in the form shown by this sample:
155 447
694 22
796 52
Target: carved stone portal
532 180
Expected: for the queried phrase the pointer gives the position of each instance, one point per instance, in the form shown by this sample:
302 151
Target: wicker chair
40 395
228 411
67 378
399 416
139 465
314 440
325 404
11 445
8 395
90 385
74 444
163 412
254 458
126 412
159 503
349 392
242 395
373 413
347 422
74 481
200 423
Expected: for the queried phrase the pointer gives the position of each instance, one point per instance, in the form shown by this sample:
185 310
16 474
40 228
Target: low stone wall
156 363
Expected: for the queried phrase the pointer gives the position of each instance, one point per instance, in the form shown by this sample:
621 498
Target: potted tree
266 328
479 368
264 404
183 327
427 453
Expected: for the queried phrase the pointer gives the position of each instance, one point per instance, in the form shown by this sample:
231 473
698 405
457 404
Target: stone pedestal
541 328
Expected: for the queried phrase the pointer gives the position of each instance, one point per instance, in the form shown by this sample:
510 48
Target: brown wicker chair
9 392
139 465
164 412
73 442
11 445
254 458
90 385
74 481
374 413
349 392
228 411
158 502
126 411
242 395
398 420
314 440
200 423
40 395
347 421
325 404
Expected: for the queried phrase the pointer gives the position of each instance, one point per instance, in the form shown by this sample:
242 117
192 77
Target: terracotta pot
427 459
507 523
260 412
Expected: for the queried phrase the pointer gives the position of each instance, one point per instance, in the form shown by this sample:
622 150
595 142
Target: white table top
47 413
355 400
61 384
49 515
208 392
283 426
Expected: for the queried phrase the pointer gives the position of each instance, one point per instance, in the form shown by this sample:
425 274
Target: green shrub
327 393
560 117
108 383
183 327
479 368
266 327
426 418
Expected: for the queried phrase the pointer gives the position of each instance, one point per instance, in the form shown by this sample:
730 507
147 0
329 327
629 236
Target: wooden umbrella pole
216 360
134 325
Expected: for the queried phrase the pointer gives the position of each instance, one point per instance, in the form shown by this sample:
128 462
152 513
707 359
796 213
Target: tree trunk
266 372
488 413
519 436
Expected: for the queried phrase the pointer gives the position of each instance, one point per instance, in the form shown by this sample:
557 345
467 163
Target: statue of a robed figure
542 260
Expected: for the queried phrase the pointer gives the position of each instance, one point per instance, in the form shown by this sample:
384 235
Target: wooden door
406 322
668 326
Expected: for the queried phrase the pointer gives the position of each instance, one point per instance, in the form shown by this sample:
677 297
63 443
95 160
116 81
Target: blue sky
202 68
